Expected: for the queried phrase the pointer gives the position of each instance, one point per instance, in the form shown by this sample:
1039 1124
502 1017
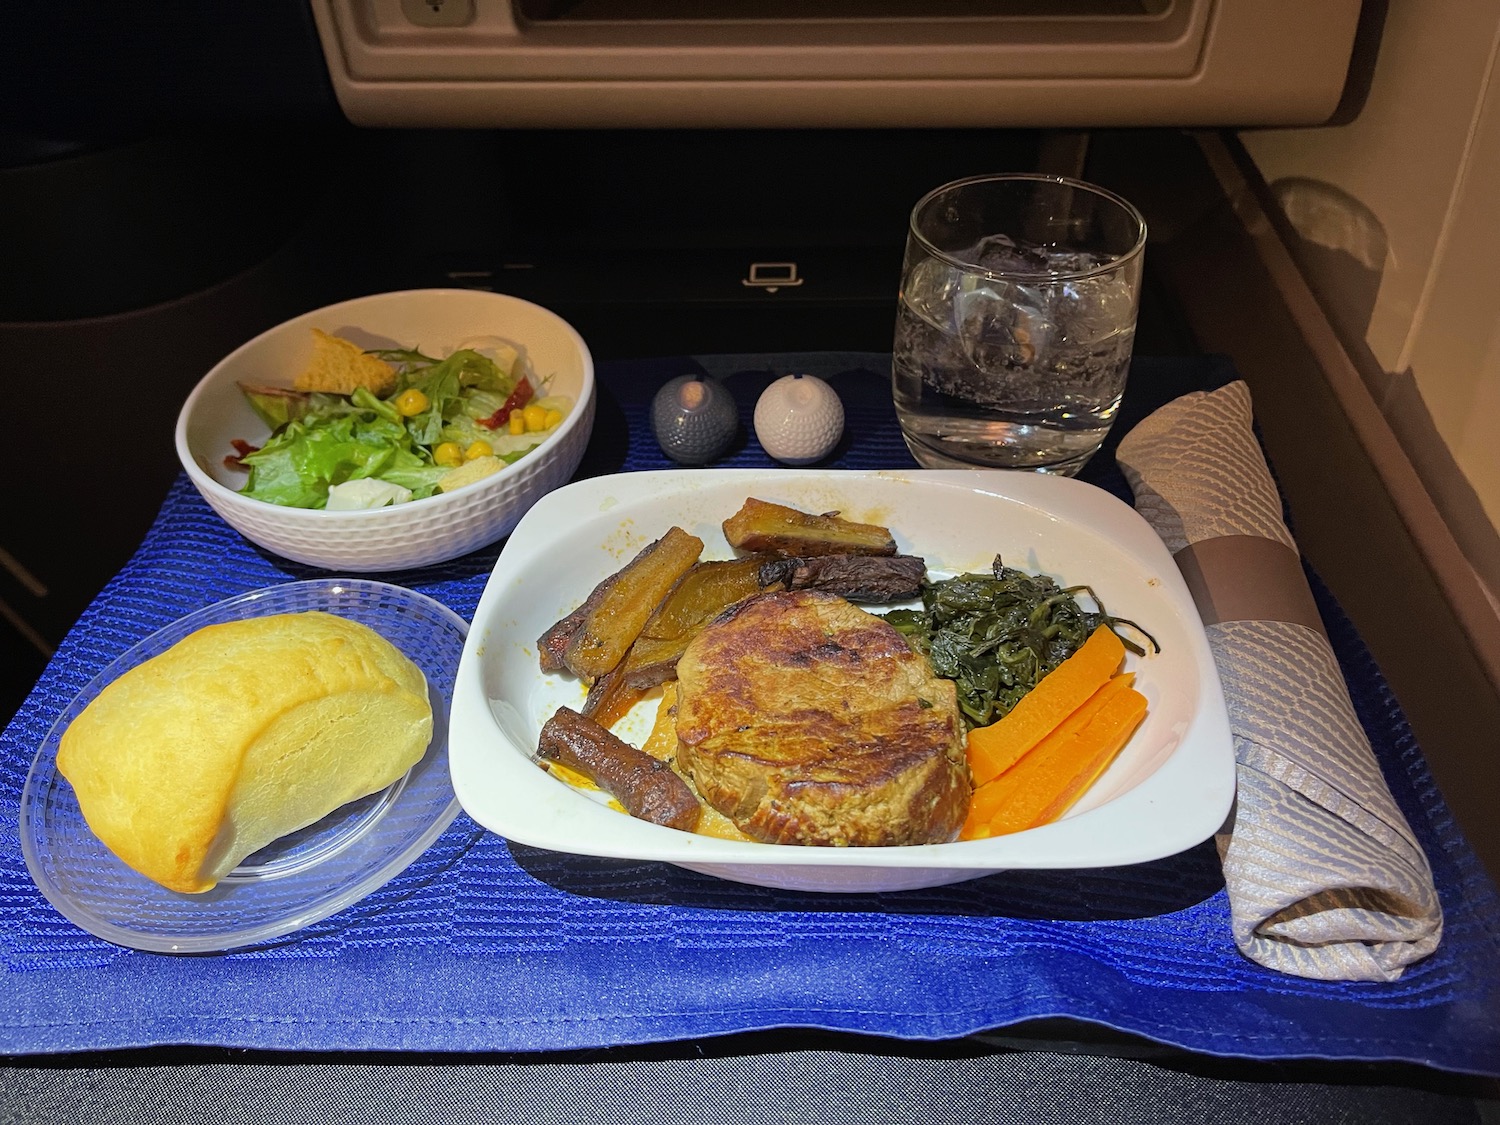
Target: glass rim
1114 263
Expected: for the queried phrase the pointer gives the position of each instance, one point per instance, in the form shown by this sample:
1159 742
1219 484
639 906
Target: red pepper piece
518 398
241 449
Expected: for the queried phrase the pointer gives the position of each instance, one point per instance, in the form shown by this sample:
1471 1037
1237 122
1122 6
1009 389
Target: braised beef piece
860 578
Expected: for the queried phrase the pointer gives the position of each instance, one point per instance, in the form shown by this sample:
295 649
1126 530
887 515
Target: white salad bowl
419 532
1169 789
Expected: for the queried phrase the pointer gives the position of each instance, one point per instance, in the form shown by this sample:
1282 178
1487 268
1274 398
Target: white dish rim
1203 777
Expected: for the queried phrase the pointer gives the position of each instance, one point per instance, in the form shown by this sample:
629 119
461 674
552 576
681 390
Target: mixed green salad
447 422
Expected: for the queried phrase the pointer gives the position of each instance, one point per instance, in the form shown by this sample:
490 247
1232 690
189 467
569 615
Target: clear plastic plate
300 878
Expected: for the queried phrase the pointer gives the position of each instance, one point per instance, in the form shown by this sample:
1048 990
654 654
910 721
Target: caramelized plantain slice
552 646
700 595
762 526
616 610
611 697
645 786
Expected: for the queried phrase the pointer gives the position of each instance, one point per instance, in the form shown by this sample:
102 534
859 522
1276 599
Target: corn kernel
517 422
448 453
554 417
410 402
536 418
479 449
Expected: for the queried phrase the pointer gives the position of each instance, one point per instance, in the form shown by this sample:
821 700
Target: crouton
339 366
469 472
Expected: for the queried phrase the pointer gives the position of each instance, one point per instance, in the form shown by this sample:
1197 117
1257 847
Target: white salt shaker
799 419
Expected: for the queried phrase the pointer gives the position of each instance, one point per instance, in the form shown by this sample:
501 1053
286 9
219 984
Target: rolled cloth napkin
1324 875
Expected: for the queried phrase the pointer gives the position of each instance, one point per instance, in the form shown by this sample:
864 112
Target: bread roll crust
239 734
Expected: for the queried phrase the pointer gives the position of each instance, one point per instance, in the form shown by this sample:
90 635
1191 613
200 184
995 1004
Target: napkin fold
1325 877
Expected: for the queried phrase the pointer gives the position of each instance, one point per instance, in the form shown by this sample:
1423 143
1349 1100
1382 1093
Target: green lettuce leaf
321 440
300 462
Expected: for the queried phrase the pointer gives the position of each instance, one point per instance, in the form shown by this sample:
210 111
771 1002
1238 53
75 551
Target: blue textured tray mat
486 946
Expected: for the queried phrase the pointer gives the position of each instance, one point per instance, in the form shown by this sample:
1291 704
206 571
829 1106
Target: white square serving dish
1170 788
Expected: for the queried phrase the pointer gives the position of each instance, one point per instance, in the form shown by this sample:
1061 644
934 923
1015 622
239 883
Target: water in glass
1019 372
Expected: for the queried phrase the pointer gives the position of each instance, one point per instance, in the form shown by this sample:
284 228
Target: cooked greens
996 635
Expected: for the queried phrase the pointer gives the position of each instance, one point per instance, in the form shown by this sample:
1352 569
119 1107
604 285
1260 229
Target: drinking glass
1016 321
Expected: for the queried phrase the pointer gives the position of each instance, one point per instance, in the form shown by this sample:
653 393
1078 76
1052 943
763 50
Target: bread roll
238 734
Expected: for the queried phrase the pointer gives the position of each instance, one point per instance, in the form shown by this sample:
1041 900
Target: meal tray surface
485 945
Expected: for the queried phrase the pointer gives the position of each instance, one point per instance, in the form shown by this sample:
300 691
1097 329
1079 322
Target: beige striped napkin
1325 877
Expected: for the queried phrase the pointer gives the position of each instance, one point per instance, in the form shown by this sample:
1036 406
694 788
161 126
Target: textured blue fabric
484 945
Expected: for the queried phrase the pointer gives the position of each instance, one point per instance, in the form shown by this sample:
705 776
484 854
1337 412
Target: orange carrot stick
990 802
994 749
984 806
1044 784
1112 729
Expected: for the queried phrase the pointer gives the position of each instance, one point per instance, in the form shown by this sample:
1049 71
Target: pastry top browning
807 720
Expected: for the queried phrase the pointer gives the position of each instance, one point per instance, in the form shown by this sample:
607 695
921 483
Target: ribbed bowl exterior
421 532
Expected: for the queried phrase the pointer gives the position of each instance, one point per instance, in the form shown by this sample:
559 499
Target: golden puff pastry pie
239 734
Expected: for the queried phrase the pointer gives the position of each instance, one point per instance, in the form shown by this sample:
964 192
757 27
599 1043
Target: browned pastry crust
807 720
